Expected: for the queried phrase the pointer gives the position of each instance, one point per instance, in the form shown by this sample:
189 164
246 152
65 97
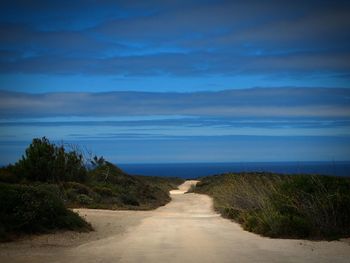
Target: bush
71 195
84 199
77 194
78 188
128 199
46 162
103 191
7 175
108 173
118 189
31 209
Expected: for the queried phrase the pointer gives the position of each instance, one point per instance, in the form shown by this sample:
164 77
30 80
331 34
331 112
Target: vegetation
164 183
298 206
46 162
109 187
31 209
36 191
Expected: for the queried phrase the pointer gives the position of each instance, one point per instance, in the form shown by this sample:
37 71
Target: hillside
296 206
37 191
109 187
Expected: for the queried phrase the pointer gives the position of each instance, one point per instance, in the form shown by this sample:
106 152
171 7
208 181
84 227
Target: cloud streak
249 103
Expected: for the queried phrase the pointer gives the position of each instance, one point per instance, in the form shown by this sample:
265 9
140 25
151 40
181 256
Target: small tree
46 162
74 167
37 163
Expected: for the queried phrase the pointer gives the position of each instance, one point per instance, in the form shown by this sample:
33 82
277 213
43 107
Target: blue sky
178 81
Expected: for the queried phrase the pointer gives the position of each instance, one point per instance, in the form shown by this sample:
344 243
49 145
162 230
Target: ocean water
194 170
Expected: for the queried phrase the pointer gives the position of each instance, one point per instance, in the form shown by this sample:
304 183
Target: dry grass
283 206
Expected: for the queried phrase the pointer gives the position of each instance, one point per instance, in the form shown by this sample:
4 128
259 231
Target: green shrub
31 209
71 194
84 199
121 190
78 188
276 224
283 206
80 194
128 199
108 173
103 191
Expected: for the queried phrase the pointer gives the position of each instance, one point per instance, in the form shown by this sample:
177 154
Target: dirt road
185 230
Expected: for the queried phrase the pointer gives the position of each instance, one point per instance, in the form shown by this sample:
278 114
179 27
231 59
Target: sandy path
185 230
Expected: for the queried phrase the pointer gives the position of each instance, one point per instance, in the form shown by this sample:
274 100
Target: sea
196 170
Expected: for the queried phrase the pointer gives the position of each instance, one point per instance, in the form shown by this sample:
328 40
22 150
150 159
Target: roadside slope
185 230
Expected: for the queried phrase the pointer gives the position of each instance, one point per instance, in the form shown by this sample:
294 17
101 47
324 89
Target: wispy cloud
177 39
175 116
250 103
215 47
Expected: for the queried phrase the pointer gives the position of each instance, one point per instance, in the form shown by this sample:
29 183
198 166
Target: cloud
249 103
193 64
175 38
277 124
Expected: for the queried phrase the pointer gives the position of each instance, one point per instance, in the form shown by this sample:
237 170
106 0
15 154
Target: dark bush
108 173
103 191
118 189
84 199
7 175
78 188
128 199
31 209
46 162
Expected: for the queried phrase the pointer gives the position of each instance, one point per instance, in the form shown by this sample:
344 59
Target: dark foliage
32 209
109 187
45 162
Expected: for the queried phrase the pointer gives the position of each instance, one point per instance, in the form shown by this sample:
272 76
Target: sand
185 230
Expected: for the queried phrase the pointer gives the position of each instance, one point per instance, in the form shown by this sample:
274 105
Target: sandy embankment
185 230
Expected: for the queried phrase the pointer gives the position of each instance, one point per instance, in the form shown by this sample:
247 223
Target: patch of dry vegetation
298 206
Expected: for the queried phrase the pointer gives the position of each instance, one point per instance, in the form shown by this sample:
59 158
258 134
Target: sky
177 81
